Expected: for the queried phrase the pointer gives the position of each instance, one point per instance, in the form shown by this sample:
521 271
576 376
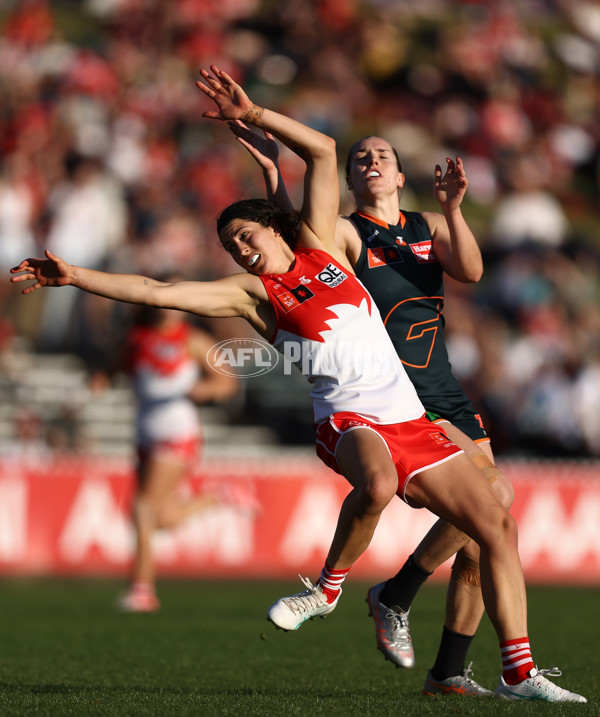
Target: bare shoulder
436 222
309 240
233 295
344 227
347 238
248 287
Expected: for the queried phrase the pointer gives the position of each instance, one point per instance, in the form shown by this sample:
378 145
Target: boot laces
307 600
399 627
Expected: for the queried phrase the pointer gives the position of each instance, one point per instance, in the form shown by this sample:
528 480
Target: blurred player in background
401 258
166 357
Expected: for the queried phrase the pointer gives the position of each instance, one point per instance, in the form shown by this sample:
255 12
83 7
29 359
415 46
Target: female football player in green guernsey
401 258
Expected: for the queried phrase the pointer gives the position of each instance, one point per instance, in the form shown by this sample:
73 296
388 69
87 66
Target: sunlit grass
64 650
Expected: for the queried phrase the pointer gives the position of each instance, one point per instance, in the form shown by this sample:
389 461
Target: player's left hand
51 271
450 189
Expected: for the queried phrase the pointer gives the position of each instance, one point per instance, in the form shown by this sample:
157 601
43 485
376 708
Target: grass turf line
65 650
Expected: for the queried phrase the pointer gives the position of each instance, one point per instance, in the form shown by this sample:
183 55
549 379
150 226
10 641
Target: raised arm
321 190
265 151
455 245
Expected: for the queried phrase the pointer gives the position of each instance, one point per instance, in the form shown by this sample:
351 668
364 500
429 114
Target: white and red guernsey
328 325
164 373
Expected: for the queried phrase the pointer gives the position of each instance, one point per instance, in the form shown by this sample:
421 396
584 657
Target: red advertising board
272 518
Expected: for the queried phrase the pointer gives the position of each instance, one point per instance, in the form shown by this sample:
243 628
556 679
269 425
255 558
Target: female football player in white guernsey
166 357
401 258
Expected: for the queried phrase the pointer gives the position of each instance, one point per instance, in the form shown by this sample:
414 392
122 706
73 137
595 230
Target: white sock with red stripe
331 581
516 660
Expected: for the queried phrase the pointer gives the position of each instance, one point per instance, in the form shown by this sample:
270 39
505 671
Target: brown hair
266 213
352 150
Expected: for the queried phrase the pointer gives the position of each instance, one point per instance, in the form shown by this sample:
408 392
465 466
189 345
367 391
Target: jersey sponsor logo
331 275
305 280
287 300
355 424
373 235
383 255
424 252
291 298
302 293
442 439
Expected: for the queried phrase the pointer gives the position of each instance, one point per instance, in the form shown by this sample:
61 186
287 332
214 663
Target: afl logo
243 357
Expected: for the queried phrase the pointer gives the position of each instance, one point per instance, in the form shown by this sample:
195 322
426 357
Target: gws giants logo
243 357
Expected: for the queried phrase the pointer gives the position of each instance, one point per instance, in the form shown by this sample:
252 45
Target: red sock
516 660
142 587
331 581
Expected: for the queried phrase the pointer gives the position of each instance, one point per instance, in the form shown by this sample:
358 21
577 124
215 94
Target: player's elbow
474 276
331 144
465 276
326 147
469 273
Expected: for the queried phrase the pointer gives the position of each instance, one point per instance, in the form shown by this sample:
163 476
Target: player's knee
496 529
165 518
379 490
506 529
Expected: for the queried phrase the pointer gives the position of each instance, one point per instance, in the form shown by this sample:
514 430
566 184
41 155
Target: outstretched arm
236 295
321 190
454 243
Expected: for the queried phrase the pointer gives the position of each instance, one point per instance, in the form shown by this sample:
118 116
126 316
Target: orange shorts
414 445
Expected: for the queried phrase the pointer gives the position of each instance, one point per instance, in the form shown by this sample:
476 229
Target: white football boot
537 687
290 612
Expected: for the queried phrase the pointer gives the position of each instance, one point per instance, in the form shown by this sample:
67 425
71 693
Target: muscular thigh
365 460
482 456
159 476
380 457
458 492
463 441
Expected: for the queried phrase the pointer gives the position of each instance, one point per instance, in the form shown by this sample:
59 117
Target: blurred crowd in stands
106 160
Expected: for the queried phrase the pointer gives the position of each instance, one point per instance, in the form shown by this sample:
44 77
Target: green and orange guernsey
399 268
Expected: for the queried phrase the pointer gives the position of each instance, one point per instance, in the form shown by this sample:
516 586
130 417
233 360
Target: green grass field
64 650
